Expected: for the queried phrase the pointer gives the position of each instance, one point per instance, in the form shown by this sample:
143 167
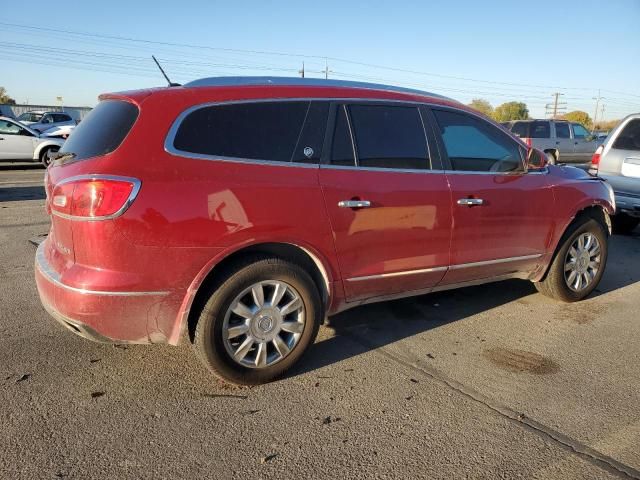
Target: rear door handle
354 203
470 202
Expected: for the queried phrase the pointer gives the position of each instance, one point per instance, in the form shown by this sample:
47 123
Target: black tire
208 336
551 158
554 284
624 224
44 155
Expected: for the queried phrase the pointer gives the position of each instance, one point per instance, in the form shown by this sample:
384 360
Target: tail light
527 141
595 160
98 197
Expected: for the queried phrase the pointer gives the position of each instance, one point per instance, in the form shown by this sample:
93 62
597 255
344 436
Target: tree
481 105
4 98
511 111
579 116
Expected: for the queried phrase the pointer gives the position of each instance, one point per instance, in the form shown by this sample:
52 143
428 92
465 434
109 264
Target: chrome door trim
494 262
54 277
396 274
440 269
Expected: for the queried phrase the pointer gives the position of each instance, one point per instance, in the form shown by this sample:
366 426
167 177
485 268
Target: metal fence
14 111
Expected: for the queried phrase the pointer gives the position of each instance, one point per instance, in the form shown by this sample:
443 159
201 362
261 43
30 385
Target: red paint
191 214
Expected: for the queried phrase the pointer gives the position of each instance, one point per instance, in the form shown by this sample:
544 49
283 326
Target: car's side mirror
536 159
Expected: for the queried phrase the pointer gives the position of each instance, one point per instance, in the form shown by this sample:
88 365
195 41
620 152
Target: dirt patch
581 313
521 361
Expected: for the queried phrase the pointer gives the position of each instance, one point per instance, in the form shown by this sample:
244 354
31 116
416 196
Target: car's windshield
30 117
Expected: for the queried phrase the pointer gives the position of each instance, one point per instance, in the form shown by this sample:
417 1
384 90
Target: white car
41 120
61 131
19 143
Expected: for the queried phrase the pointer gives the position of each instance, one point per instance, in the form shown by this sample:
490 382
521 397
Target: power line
289 54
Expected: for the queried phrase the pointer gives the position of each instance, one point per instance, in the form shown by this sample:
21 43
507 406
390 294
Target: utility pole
595 113
301 72
326 69
556 107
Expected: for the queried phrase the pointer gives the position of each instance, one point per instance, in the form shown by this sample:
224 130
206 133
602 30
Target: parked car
19 143
41 120
560 140
618 162
62 131
242 212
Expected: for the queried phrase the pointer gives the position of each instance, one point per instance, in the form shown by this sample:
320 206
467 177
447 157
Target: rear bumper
103 316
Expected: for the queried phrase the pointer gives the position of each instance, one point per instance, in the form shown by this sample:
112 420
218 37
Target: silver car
40 120
20 143
618 162
562 141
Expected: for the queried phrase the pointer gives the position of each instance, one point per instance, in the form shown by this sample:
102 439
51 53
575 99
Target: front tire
579 263
44 155
259 321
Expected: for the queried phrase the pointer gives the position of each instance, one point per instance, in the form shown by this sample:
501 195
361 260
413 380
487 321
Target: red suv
241 212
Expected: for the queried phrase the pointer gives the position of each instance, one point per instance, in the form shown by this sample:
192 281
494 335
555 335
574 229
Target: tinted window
259 131
102 130
539 130
342 148
562 130
309 147
521 129
30 117
629 137
579 131
60 117
475 145
389 137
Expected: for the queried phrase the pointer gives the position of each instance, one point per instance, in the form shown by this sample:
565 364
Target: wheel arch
214 272
593 211
43 146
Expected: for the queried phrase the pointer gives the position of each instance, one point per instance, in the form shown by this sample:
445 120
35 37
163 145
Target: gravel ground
494 381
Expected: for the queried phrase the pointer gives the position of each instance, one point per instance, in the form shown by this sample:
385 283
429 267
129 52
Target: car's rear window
629 137
102 130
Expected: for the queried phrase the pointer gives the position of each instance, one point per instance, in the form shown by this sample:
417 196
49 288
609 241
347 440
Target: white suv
41 120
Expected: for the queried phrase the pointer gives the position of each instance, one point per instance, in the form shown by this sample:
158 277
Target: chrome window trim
173 130
380 169
54 277
97 176
450 267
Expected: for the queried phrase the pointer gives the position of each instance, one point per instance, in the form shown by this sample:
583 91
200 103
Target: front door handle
354 203
470 202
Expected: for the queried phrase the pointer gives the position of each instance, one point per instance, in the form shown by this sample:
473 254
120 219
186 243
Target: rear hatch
75 192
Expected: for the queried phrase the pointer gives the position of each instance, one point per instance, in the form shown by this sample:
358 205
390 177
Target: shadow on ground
373 326
21 166
14 194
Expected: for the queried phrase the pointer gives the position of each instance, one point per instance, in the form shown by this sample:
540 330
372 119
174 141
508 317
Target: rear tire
551 158
245 333
578 264
624 224
44 155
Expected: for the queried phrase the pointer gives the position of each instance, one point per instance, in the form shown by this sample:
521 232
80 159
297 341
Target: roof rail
302 82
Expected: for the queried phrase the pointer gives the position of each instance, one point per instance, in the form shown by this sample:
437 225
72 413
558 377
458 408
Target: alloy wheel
582 262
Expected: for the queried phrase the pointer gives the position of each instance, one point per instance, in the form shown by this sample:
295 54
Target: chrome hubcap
582 262
263 324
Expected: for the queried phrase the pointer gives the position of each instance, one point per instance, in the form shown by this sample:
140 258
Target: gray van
561 140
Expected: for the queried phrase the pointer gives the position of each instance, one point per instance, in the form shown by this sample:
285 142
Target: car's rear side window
539 130
562 130
257 131
389 136
521 129
629 137
102 130
475 145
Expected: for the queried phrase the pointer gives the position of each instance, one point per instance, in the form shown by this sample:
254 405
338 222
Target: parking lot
494 381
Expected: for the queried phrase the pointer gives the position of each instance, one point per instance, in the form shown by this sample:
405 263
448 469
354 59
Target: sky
496 50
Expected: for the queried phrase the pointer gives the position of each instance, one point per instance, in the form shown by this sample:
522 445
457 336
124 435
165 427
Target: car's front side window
9 128
579 131
474 145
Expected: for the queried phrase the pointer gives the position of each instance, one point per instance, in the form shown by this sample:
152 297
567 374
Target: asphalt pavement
494 381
